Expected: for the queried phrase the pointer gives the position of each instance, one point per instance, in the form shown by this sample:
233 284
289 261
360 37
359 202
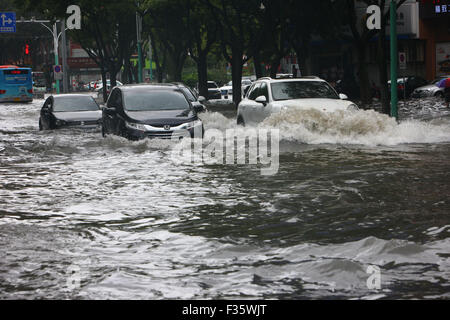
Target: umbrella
444 83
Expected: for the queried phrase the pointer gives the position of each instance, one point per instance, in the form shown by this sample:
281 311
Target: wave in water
364 127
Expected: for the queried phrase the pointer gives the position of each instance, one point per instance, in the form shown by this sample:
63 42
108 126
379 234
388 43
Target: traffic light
27 49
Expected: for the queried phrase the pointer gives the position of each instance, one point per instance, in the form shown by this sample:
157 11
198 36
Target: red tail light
401 87
30 91
2 91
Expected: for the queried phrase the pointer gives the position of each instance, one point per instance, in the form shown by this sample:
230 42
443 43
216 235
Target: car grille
164 135
84 123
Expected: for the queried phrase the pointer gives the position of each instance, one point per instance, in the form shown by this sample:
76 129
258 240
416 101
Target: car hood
162 117
328 105
79 116
428 87
226 88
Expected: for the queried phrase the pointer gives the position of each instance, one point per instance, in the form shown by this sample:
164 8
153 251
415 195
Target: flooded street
83 217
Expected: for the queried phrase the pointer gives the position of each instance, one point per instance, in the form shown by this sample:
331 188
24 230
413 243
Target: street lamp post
54 32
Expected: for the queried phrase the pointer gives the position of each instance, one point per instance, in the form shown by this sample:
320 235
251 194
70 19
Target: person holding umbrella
445 83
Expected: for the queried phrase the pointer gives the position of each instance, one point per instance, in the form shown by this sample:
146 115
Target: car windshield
153 100
74 104
212 85
302 90
188 94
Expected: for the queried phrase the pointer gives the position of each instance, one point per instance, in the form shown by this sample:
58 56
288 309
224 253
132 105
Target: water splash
364 127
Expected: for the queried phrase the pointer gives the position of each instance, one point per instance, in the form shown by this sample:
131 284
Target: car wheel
240 121
123 131
439 94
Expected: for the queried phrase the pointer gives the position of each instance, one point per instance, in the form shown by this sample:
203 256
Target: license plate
16 99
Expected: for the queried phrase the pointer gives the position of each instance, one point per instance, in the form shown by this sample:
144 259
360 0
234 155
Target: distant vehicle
197 101
227 90
213 91
70 111
431 90
407 85
99 88
150 111
16 84
39 86
268 96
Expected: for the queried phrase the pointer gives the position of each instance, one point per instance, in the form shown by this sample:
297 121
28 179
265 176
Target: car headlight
352 107
136 126
191 125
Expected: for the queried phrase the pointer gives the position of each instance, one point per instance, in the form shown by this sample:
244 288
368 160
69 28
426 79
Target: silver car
431 90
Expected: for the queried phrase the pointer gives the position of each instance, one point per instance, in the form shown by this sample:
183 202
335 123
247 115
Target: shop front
435 29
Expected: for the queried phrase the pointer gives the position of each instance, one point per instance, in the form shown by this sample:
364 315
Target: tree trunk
236 74
202 70
274 68
382 65
257 64
105 95
363 75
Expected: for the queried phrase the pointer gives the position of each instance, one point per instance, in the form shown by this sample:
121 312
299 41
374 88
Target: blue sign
7 22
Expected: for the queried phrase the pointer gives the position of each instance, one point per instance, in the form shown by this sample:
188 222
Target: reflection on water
93 218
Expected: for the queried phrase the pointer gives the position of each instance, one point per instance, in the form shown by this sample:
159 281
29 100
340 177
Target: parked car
69 111
150 111
196 100
430 90
213 91
39 86
268 96
407 85
227 90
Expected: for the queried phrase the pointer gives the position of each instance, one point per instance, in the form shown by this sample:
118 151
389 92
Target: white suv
268 96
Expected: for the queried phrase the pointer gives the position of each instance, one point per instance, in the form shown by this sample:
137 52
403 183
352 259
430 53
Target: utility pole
394 60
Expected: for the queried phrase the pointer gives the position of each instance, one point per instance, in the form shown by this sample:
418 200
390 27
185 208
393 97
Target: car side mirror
199 108
201 99
343 96
261 99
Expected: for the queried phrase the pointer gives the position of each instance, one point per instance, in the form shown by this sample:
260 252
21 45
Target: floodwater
83 217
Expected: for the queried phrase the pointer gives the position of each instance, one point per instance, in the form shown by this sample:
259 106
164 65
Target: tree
167 21
106 33
361 41
203 32
237 23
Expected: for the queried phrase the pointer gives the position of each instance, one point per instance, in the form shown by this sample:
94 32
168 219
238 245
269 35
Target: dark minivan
150 111
70 111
